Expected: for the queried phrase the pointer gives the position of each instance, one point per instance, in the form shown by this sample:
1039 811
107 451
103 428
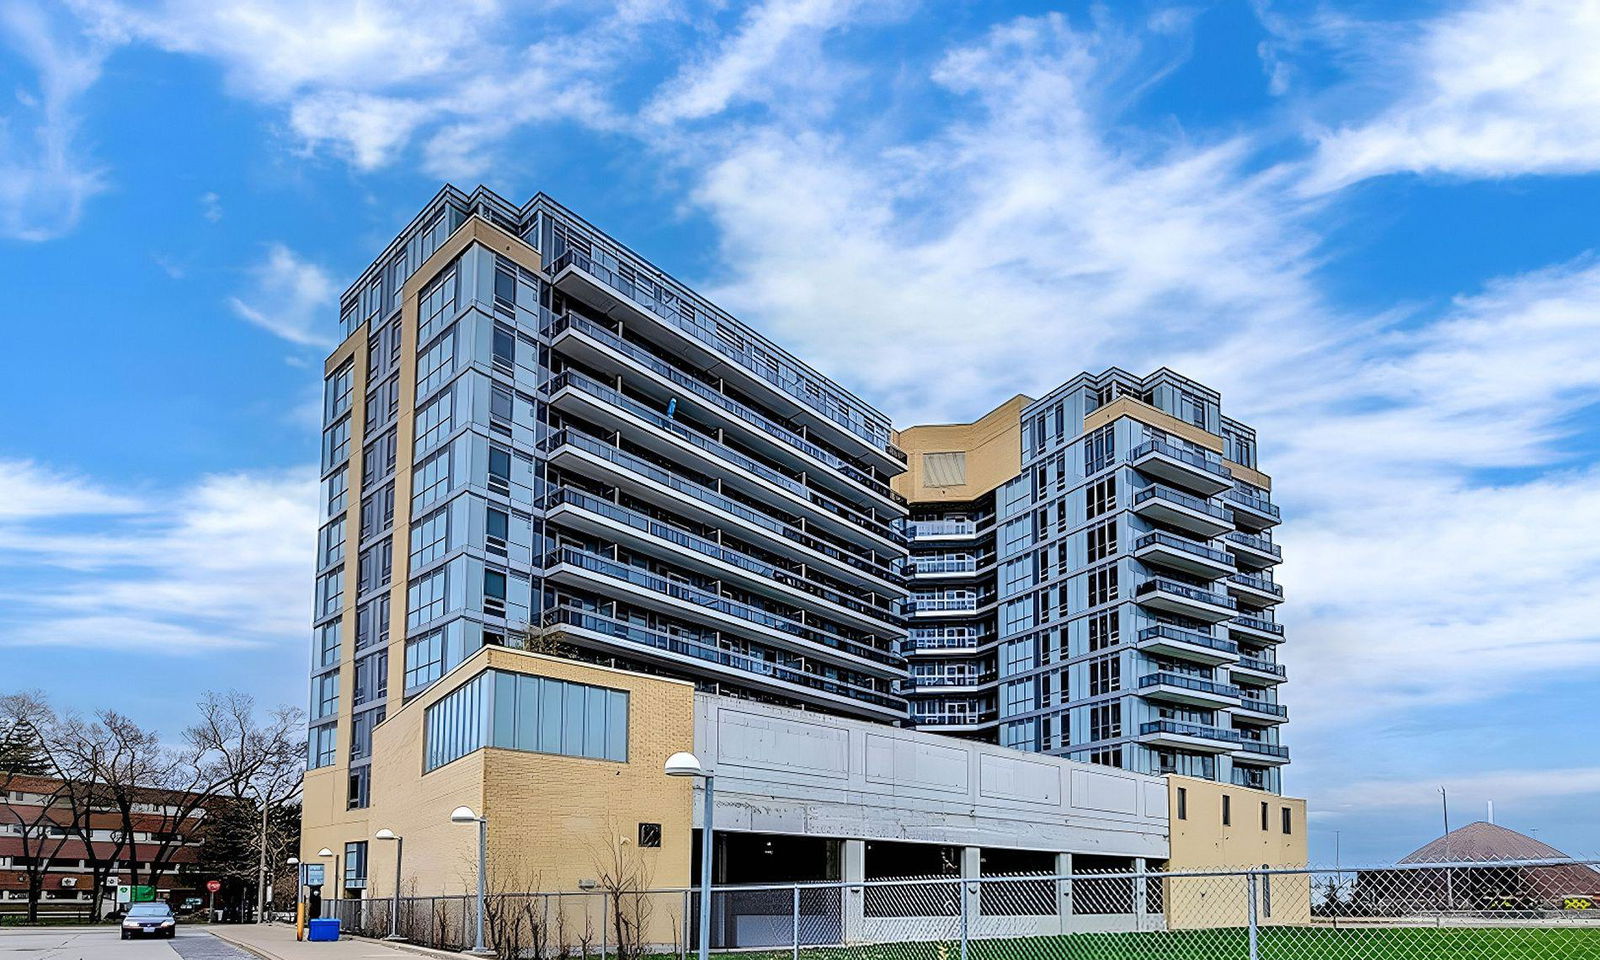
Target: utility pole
1449 875
261 876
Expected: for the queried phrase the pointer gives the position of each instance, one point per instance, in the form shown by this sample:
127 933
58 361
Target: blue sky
1370 225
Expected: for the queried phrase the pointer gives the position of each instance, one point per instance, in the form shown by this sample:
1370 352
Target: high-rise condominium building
535 438
1091 577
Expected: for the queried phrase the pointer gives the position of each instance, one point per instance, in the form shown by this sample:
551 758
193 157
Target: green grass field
1276 943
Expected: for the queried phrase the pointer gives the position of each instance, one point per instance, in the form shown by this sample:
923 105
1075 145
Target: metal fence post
1250 886
962 899
604 943
795 917
688 924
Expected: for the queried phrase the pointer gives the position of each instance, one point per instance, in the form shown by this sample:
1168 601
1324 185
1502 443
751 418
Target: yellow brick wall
1200 842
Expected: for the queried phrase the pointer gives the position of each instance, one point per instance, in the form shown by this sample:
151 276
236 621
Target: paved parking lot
103 943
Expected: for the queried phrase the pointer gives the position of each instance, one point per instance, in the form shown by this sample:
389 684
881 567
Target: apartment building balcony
947 606
577 510
931 568
1251 513
1256 710
952 644
1260 752
1258 629
954 722
1182 510
1177 553
579 569
1254 590
1159 593
1188 736
593 630
724 352
1180 467
924 531
947 683
1169 641
1182 688
603 350
572 392
577 451
1252 552
1255 671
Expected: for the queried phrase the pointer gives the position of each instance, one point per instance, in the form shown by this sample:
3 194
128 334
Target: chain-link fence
1494 910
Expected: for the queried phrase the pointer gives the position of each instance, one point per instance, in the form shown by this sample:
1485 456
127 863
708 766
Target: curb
249 948
265 954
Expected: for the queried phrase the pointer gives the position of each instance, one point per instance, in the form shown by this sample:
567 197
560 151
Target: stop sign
213 885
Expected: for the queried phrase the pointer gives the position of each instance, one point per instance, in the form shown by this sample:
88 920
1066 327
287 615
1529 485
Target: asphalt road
103 943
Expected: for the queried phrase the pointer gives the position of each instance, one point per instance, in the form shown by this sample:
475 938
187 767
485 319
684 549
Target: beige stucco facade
991 447
1201 841
554 821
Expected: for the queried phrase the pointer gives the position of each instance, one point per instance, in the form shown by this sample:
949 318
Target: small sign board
124 893
213 885
314 874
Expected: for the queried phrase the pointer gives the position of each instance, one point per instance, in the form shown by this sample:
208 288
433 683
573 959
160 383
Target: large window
320 745
535 714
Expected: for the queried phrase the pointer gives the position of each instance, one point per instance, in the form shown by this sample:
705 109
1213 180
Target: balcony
1251 513
945 645
1260 711
1181 510
1258 672
710 345
1257 629
926 568
1259 751
609 521
1255 591
1188 736
954 721
1177 553
946 606
1170 641
1180 467
593 630
1181 688
571 391
921 530
577 451
1251 552
1159 593
577 568
946 682
604 350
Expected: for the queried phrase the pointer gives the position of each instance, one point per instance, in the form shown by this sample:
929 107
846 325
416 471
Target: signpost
212 886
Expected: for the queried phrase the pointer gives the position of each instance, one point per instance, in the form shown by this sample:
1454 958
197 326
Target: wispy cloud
46 171
290 297
225 562
1502 786
1491 89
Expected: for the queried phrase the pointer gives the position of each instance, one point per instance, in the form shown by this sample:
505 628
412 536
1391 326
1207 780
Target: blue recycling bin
324 930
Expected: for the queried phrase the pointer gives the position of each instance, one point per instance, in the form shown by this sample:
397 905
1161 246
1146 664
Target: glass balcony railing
644 468
1257 623
721 401
1166 631
1255 543
931 680
945 604
719 451
1187 546
1257 583
1258 504
935 565
699 331
1163 585
584 620
1166 679
1262 706
663 531
720 604
1265 749
1262 666
1178 453
1158 492
947 642
1180 728
941 528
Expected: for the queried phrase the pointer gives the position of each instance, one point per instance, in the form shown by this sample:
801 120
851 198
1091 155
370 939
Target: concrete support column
1064 890
971 867
855 871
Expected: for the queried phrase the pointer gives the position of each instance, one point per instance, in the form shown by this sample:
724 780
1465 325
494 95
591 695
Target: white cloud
223 563
29 489
211 206
1502 786
290 297
1498 88
46 174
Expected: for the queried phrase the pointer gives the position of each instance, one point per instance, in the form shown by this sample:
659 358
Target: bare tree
41 816
624 877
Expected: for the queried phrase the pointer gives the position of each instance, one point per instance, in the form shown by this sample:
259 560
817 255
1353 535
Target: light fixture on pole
394 905
465 815
688 765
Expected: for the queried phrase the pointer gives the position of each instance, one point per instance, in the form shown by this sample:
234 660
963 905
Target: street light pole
394 906
688 765
261 876
465 815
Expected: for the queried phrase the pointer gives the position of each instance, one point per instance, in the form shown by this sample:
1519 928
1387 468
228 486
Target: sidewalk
275 941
